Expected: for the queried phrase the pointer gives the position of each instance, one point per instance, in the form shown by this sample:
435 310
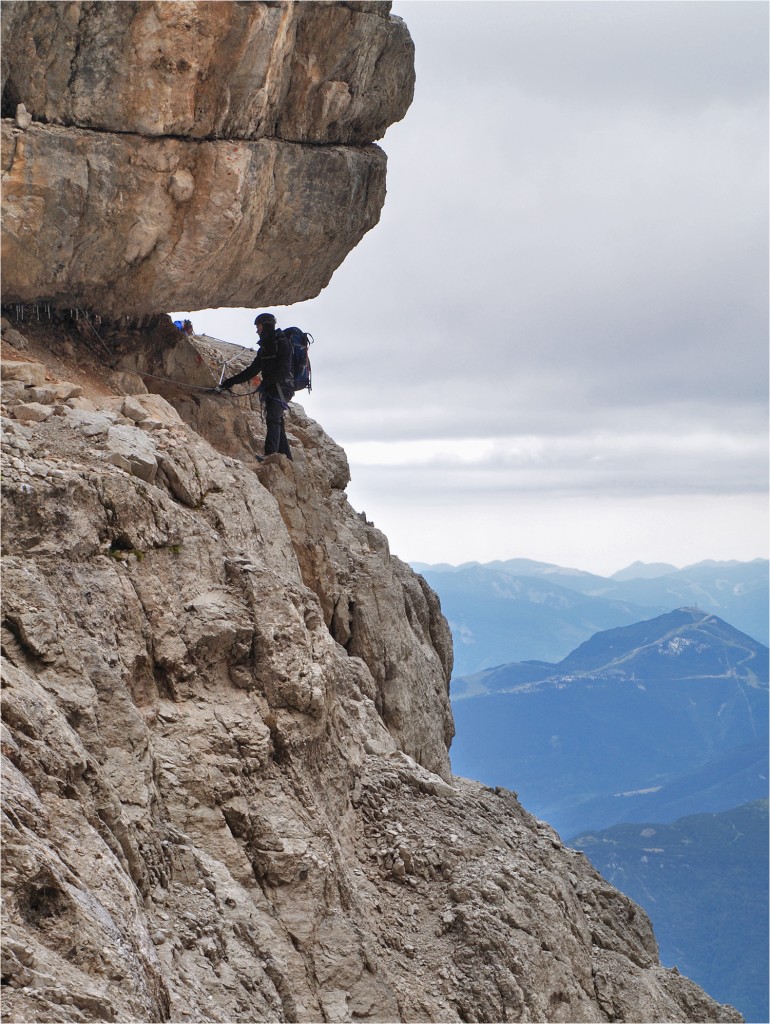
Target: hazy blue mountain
704 882
498 617
644 722
736 591
644 570
520 609
573 579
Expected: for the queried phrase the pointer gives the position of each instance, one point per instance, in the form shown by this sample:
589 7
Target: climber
273 362
187 327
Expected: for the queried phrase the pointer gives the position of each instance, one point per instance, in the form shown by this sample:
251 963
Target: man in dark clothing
273 362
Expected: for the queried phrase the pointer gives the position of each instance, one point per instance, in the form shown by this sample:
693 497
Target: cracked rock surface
185 155
227 793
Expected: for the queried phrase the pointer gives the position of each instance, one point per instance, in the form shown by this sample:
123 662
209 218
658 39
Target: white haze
554 345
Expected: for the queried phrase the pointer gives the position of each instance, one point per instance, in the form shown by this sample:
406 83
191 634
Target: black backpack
300 359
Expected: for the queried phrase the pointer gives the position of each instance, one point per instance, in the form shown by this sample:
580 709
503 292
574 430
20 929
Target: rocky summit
227 792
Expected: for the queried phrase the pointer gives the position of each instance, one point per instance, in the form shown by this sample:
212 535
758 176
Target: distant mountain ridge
520 609
685 637
704 882
640 722
644 570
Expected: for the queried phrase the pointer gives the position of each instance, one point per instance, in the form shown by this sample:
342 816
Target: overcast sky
554 345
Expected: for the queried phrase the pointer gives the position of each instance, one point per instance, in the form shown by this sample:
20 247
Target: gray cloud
598 53
645 462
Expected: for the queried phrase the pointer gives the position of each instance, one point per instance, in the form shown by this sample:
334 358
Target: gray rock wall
226 789
326 73
192 155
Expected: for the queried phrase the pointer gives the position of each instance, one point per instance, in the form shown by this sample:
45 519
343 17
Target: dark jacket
273 361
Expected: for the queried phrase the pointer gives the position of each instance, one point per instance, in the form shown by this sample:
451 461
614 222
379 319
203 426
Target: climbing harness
280 398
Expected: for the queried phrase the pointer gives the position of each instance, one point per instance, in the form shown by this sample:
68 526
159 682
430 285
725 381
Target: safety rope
179 383
199 387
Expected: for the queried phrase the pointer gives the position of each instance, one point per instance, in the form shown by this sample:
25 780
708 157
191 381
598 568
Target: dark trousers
275 438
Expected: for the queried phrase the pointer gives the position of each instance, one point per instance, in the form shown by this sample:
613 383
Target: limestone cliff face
226 786
188 155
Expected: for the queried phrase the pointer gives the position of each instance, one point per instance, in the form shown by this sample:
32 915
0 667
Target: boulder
15 338
153 407
87 419
28 373
130 449
13 392
23 118
127 383
43 394
133 409
65 390
32 412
